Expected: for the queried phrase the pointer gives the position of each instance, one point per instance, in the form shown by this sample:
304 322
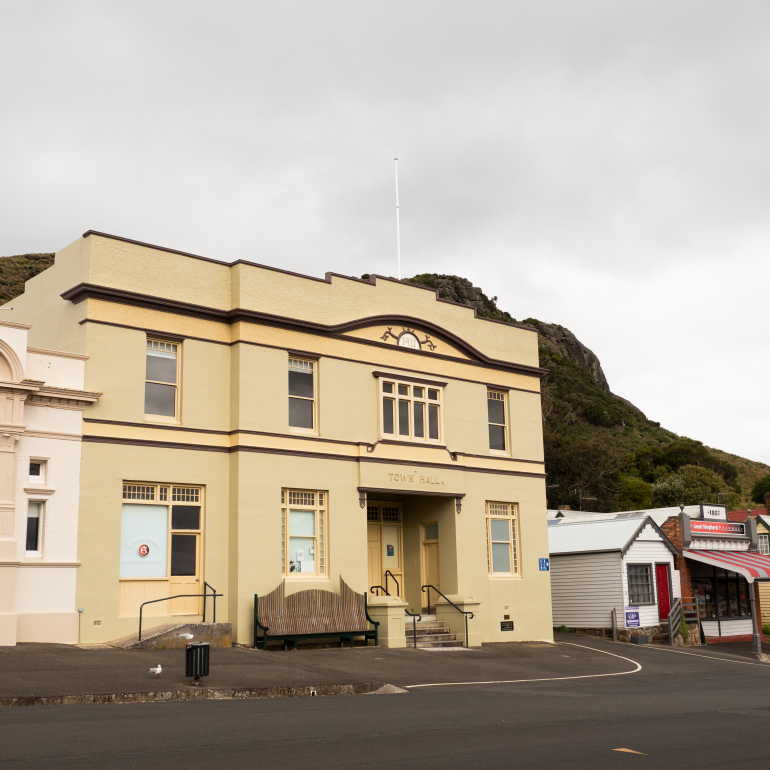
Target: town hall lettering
413 478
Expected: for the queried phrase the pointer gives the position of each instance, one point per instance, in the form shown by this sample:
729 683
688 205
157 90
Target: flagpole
398 226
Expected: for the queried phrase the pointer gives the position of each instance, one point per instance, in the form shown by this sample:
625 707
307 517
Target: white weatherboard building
41 408
622 564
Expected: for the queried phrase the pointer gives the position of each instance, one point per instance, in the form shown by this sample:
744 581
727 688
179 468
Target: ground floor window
640 584
304 528
722 594
502 545
34 529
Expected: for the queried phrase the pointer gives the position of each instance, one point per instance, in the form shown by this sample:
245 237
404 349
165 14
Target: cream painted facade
240 474
41 406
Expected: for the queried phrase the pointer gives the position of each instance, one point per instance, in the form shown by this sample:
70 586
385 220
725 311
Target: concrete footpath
45 674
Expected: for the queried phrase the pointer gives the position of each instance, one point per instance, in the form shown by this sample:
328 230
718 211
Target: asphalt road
678 710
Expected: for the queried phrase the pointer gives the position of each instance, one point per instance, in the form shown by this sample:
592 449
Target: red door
664 592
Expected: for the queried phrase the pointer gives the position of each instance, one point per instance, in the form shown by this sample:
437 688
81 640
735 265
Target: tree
691 485
760 489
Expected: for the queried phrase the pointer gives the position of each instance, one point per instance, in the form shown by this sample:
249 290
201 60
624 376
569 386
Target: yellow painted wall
235 378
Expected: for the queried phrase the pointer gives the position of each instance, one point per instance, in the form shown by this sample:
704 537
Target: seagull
186 636
155 671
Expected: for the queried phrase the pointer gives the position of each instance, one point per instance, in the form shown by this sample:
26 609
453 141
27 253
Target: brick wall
672 529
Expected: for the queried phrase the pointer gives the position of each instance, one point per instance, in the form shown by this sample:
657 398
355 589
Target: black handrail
415 617
214 594
379 588
388 574
464 612
178 596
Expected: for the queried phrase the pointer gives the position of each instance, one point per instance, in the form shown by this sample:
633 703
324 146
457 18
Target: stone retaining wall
654 634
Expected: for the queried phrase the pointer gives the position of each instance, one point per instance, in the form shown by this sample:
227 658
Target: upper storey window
302 395
411 412
161 391
497 414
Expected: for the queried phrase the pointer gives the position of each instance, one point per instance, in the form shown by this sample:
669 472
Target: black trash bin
197 660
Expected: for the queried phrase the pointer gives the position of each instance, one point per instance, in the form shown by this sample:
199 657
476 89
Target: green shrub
561 630
684 631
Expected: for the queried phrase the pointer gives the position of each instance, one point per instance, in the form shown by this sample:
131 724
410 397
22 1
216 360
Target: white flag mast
398 228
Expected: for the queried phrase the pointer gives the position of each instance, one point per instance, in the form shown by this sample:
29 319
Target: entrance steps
430 633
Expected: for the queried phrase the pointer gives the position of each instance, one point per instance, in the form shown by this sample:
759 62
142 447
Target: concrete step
446 637
430 624
428 631
441 643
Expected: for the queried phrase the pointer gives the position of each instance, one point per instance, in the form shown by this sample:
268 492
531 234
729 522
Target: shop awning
753 566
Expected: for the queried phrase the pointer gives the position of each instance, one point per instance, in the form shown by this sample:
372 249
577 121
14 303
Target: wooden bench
312 614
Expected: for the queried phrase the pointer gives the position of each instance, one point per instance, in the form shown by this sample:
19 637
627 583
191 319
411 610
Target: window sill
498 453
504 576
409 442
303 432
33 554
160 420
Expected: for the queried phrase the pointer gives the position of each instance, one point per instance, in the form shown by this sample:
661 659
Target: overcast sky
601 165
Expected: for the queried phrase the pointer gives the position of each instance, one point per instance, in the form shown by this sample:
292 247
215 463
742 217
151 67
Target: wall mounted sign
545 565
416 478
632 617
143 541
714 512
729 528
408 338
390 551
144 549
506 625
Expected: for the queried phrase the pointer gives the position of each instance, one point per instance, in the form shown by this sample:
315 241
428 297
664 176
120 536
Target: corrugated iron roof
586 536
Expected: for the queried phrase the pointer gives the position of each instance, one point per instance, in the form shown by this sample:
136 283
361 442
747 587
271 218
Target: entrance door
384 547
184 577
430 561
664 590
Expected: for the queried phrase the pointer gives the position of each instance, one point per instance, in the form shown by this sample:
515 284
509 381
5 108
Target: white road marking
551 679
710 657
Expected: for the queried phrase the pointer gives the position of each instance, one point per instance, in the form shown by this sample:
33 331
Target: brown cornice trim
497 457
108 294
390 375
312 354
373 277
157 333
296 453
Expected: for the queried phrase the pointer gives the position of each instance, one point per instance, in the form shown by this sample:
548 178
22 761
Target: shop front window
703 592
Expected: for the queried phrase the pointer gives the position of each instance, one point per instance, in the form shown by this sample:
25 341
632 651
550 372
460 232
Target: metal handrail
169 598
379 588
388 574
214 594
464 612
415 617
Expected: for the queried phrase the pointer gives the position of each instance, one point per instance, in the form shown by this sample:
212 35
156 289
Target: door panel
664 591
391 557
430 557
374 559
185 578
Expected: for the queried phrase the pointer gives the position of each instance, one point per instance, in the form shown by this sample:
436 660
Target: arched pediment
11 369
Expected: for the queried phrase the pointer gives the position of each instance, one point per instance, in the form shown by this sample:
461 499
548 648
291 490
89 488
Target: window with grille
161 531
410 412
496 412
302 389
764 544
640 584
502 545
161 396
304 533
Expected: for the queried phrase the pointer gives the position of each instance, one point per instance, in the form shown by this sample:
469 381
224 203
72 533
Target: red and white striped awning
753 566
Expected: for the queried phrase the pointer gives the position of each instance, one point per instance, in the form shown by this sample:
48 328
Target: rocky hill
14 271
601 451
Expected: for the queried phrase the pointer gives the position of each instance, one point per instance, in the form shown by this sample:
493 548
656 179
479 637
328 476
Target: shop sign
506 625
144 549
632 617
729 528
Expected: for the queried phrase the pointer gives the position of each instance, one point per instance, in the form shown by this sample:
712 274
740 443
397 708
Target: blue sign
632 617
545 565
